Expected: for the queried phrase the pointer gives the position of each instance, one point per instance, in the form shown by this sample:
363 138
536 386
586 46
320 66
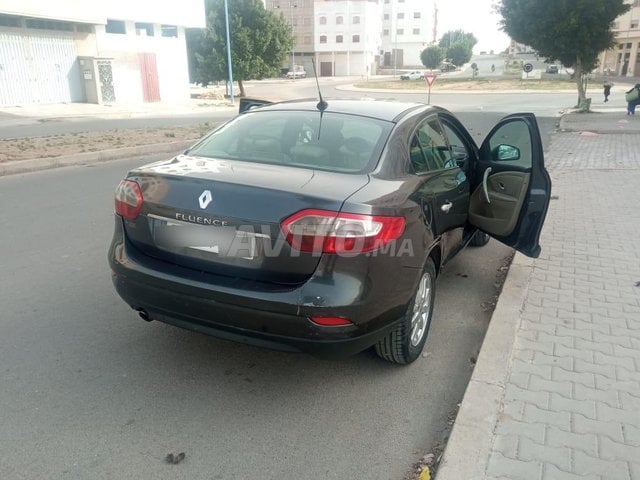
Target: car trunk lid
223 216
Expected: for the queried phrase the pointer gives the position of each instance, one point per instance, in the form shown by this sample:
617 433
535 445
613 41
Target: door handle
484 184
446 207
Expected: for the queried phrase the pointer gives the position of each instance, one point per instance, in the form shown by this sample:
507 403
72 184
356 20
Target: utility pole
435 23
226 19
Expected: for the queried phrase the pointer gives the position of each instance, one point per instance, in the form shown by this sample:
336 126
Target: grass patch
478 83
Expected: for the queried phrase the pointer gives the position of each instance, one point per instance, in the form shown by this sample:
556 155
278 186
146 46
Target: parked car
320 227
448 67
552 69
414 75
297 72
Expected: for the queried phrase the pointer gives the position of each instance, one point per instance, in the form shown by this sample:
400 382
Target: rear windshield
334 142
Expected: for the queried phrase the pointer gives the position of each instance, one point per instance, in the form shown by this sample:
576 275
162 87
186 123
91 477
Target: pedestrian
607 90
633 99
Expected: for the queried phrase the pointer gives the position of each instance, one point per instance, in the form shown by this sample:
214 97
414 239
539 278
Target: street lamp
226 19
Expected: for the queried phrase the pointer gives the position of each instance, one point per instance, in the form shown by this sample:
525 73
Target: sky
473 16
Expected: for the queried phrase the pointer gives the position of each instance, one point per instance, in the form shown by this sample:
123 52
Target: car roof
381 109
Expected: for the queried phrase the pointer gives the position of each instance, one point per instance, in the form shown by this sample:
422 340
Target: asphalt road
542 104
91 391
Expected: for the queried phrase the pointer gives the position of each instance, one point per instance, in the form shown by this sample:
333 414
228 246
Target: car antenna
322 105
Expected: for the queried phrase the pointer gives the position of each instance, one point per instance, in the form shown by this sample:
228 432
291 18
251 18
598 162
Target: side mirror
505 153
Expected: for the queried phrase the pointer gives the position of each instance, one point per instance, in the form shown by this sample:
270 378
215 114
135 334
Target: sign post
528 68
429 78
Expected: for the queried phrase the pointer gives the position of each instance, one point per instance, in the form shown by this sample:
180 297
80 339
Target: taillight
323 231
128 199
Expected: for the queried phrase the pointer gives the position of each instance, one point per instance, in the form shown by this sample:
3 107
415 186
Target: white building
347 36
91 51
407 29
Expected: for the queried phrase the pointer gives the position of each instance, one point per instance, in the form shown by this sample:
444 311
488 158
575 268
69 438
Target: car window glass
331 141
459 148
428 148
512 134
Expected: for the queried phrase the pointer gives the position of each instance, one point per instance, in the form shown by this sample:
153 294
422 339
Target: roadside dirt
72 143
487 84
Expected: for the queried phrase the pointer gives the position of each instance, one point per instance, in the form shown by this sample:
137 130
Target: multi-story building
92 51
624 58
299 14
355 37
347 36
407 29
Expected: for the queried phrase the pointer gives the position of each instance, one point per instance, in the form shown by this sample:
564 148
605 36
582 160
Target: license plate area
220 244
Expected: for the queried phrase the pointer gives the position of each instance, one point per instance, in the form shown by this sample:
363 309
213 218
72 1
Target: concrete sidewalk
556 390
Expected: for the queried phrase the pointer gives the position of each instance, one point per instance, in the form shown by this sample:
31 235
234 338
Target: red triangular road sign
430 78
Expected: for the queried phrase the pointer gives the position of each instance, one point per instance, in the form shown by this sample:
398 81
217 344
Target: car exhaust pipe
144 315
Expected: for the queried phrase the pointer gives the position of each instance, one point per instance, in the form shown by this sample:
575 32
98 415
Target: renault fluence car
322 227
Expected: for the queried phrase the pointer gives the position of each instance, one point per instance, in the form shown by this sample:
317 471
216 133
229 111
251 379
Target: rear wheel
405 342
479 239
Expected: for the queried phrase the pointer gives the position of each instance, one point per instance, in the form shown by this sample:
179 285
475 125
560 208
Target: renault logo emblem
205 199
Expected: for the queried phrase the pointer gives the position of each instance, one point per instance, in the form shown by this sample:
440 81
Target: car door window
428 148
510 145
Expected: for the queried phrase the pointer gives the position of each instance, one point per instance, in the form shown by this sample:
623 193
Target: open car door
511 186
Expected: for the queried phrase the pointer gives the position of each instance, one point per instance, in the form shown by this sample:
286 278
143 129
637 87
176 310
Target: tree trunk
577 76
241 86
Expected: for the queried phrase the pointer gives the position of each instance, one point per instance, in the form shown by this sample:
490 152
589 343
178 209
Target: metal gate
105 81
38 68
326 69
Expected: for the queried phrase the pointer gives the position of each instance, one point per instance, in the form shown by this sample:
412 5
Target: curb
466 455
35 164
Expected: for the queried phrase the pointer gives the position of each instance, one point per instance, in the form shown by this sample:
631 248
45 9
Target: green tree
566 30
432 56
452 37
260 42
458 45
459 53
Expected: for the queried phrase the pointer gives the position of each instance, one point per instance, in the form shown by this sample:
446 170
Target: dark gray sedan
320 227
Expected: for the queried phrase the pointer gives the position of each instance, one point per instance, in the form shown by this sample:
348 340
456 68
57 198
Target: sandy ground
69 144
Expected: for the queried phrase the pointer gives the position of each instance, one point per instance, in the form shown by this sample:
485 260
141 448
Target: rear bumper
273 317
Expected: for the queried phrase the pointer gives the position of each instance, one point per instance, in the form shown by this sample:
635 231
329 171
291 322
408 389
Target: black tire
405 342
479 239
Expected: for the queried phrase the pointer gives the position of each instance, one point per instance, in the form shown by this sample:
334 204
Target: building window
9 21
400 16
323 39
385 32
48 25
386 16
416 15
169 30
144 29
323 20
355 39
116 26
339 20
416 31
339 38
356 20
634 24
400 31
